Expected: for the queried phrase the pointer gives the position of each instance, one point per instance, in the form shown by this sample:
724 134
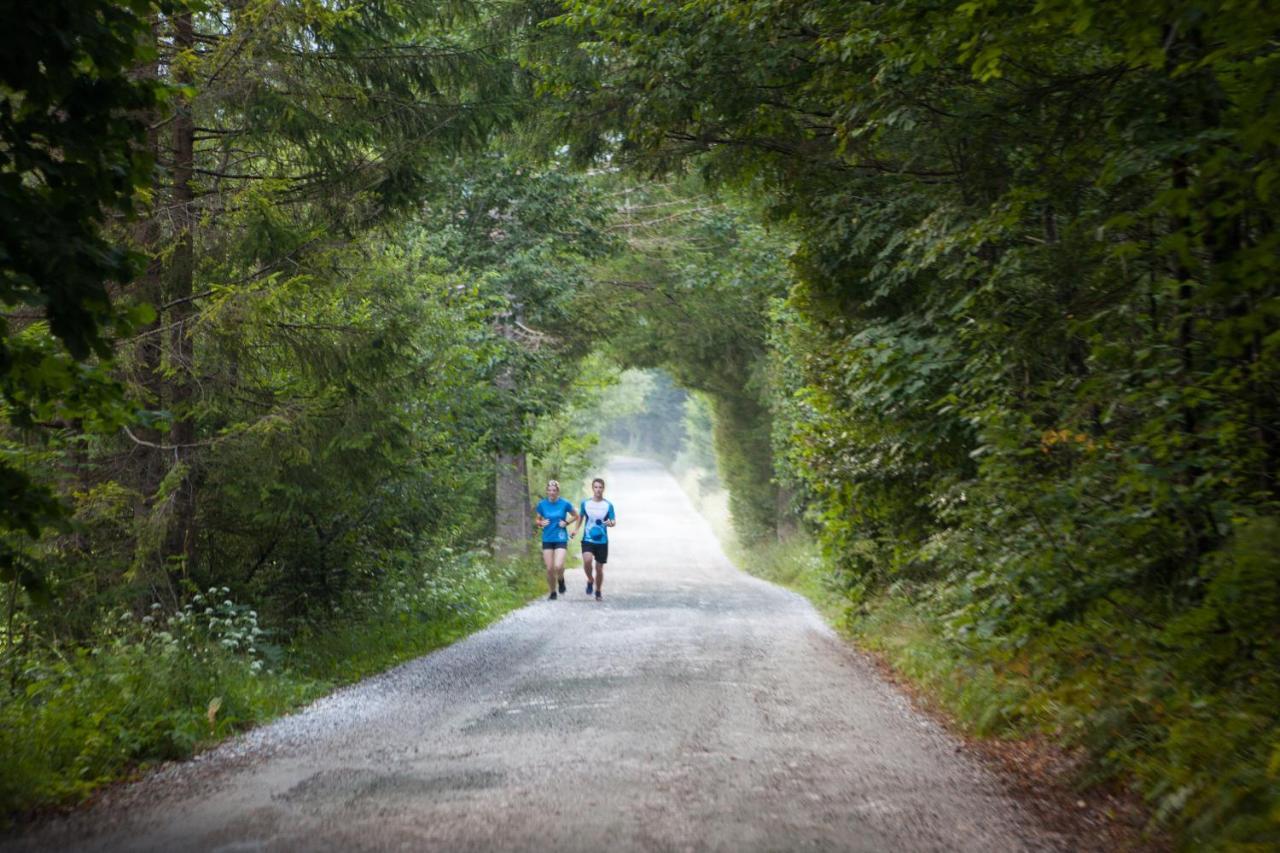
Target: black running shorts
599 549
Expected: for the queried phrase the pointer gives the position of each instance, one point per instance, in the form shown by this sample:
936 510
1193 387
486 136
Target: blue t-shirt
554 513
596 512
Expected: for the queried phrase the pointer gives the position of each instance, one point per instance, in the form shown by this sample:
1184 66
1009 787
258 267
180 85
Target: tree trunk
788 524
150 351
148 462
513 516
180 540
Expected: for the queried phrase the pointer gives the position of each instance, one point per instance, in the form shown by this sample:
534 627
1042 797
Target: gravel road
695 708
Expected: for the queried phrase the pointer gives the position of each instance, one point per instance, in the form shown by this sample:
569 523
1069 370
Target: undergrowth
166 685
1202 750
414 615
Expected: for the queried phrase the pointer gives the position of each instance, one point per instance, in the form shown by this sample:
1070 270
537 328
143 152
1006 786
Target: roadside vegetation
1019 376
168 684
271 291
1105 692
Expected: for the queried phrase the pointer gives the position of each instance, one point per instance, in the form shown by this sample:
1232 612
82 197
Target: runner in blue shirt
554 514
598 515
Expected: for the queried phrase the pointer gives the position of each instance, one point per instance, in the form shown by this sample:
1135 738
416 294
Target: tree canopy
1032 328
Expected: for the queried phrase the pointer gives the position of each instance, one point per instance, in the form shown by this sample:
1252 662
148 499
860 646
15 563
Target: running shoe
599 597
551 597
589 587
562 584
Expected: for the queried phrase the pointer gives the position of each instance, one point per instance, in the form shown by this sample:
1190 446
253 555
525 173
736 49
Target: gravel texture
695 708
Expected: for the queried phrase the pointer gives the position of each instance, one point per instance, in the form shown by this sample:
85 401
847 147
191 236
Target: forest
972 305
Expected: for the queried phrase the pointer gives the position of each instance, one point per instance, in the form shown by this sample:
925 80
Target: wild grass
165 686
1202 751
443 606
1200 745
796 565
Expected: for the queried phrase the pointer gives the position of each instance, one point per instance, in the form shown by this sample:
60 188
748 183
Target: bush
1190 725
166 685
147 691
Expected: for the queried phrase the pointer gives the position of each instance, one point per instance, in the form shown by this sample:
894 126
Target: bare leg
559 562
548 560
599 576
587 558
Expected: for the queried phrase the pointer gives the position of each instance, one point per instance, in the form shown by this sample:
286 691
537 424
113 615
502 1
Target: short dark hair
597 480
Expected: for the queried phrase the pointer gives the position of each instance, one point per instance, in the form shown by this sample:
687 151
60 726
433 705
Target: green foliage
355 430
565 445
1028 359
688 295
416 609
324 386
72 120
143 693
526 238
697 446
171 683
71 123
1190 722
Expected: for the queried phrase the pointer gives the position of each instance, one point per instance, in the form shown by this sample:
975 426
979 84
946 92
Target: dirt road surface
695 708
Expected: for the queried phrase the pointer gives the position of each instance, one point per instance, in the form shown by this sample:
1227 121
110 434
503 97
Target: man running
598 515
554 513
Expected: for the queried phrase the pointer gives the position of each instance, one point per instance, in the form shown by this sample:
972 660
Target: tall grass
167 685
415 616
1203 751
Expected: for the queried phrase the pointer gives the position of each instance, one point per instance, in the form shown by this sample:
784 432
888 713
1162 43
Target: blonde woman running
599 517
554 514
